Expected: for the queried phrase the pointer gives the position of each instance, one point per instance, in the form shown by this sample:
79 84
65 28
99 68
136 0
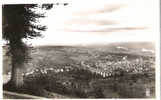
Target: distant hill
130 45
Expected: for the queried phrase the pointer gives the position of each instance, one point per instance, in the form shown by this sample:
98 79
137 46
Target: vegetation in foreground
106 75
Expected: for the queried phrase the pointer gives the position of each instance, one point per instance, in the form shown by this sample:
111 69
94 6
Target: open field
108 71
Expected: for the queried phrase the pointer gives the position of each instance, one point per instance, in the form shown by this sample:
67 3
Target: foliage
19 21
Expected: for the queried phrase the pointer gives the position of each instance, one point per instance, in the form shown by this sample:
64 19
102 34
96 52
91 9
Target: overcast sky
99 21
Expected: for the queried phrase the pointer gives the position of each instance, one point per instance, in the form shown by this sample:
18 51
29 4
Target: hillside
111 71
75 54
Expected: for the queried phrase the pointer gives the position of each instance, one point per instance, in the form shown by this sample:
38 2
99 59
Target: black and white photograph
100 49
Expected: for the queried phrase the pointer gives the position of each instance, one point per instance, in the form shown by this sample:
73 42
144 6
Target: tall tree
20 22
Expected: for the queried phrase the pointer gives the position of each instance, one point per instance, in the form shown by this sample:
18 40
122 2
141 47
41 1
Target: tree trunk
19 53
17 78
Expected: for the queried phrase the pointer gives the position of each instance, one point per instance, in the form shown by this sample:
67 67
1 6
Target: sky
99 22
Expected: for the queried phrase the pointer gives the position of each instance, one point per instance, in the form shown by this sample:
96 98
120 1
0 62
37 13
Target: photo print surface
79 49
